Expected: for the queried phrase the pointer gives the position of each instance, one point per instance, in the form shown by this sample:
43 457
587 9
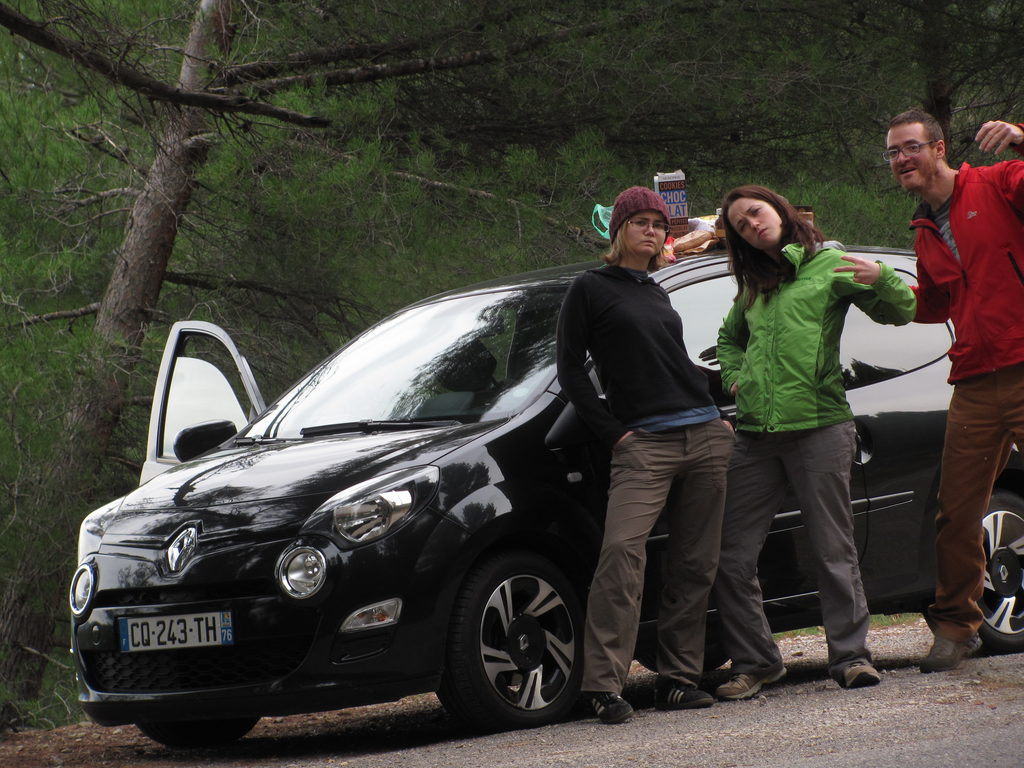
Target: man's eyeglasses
643 224
908 150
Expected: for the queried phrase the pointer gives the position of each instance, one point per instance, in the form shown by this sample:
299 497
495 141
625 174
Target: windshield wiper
373 426
257 439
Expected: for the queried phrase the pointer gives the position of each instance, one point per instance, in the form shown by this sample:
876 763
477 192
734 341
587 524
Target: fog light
373 616
82 587
302 571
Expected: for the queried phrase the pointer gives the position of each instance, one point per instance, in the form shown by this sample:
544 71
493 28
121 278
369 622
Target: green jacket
784 353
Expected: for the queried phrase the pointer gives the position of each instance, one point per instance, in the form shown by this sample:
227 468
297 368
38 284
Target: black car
423 510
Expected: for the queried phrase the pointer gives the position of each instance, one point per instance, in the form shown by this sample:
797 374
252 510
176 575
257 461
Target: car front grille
194 668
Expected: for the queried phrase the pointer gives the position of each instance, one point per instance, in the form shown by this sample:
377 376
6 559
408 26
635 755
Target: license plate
192 630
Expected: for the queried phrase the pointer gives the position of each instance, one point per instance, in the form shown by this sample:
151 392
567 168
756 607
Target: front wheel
514 656
1003 599
192 734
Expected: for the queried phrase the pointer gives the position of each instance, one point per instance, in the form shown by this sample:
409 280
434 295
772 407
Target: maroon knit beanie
634 200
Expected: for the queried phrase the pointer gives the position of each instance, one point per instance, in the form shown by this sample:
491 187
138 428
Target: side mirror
568 430
199 438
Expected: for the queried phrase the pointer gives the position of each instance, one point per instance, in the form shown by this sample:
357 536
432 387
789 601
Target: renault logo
182 548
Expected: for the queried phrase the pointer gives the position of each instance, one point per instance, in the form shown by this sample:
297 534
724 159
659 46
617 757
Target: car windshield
464 359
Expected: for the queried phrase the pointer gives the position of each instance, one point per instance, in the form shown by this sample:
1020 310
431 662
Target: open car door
203 379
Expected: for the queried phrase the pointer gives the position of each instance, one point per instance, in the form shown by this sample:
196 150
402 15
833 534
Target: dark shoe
947 654
974 644
668 694
860 675
745 685
610 708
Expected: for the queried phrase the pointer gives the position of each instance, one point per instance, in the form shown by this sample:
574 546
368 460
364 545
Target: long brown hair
756 272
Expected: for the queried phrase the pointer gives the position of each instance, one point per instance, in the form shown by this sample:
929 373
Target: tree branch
329 304
263 70
68 205
46 656
225 101
576 233
121 74
89 309
419 66
210 282
318 57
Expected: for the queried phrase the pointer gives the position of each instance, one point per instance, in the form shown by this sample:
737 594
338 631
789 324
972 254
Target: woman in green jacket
779 353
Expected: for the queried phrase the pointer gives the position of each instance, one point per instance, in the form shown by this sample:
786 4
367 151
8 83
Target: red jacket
983 293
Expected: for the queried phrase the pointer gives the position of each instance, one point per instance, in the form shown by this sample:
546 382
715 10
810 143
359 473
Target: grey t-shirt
941 218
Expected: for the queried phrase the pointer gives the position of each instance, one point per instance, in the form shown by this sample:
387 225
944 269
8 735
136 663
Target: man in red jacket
970 247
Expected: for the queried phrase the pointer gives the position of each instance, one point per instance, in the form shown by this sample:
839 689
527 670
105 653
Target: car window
466 358
200 389
702 307
871 352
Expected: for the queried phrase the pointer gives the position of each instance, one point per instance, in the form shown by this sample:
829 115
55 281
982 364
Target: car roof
711 262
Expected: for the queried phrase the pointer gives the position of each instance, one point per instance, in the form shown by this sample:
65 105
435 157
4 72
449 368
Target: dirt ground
400 723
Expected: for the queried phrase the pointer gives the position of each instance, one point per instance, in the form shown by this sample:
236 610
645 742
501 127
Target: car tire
1003 599
514 657
193 734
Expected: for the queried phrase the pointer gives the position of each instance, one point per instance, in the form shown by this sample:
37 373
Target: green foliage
57 706
854 214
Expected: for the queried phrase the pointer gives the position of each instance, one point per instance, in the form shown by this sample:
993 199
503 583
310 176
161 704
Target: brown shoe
860 675
947 654
745 685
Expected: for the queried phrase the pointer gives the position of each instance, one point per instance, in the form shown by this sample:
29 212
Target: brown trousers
986 416
643 468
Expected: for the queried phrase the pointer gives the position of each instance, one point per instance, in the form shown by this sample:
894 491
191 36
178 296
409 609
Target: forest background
294 170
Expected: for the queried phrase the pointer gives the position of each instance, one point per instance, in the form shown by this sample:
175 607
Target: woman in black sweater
662 425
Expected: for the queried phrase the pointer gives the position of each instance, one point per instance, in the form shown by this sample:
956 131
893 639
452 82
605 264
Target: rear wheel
192 734
514 657
1003 599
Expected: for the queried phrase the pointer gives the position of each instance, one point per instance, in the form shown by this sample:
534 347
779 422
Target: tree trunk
935 47
32 605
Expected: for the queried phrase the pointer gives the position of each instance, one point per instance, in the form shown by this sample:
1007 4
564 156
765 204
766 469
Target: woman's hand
619 441
864 271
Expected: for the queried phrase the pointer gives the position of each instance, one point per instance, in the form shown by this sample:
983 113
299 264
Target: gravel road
968 718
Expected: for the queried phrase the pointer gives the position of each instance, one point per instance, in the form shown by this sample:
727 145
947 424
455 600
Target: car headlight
83 587
302 571
367 511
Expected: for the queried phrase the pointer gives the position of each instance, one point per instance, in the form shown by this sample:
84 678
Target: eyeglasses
643 224
908 150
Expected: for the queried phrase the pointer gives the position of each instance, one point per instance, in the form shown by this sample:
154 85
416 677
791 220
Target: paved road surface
970 718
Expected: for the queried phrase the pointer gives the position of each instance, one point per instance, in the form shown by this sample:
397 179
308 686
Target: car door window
200 391
702 307
870 352
202 378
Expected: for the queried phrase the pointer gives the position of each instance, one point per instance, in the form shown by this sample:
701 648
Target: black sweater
636 340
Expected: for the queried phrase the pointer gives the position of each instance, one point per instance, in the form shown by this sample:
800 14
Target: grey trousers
817 464
643 469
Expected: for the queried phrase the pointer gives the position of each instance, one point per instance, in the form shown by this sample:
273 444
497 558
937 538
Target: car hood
271 485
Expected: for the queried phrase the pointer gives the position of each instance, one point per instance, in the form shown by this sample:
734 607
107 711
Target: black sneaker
668 694
610 708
